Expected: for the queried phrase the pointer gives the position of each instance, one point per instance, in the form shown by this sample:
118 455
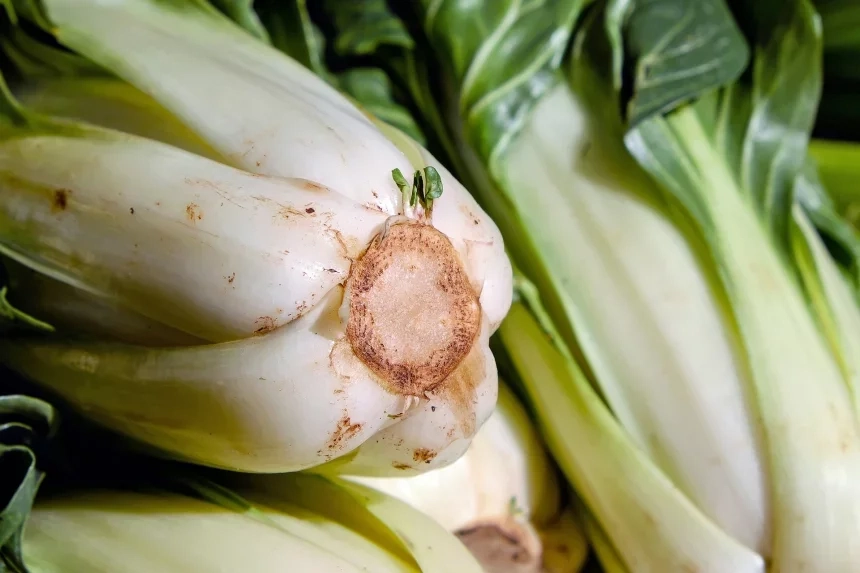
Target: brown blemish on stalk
231 278
470 215
265 324
193 213
344 431
459 390
310 210
60 200
413 315
501 549
423 455
338 236
399 466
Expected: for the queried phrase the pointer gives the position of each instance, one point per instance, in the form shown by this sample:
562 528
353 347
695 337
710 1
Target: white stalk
813 442
272 116
74 310
310 525
644 313
296 257
654 527
216 252
246 404
134 532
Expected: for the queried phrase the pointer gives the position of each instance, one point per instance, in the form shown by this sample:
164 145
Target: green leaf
416 188
504 56
371 88
290 29
400 180
433 182
830 207
365 26
760 125
25 423
12 314
840 21
11 113
675 51
403 184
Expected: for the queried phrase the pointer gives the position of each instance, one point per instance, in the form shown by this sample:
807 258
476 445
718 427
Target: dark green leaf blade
32 421
675 51
504 56
365 26
433 182
371 87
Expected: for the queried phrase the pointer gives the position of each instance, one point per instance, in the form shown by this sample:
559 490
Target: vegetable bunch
225 239
686 325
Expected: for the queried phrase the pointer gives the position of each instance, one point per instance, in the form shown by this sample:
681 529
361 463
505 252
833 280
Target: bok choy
687 322
239 267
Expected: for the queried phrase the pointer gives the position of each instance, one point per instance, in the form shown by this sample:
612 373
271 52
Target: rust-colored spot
375 194
60 199
331 270
310 210
399 466
423 455
413 314
231 278
265 324
345 430
193 213
469 214
131 210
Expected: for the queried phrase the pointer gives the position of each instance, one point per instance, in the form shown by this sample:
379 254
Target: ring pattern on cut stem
413 314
